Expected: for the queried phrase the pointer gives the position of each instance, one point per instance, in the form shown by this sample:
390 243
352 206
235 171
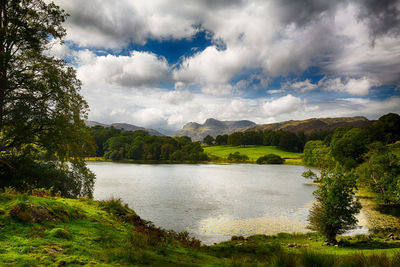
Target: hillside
125 126
212 127
43 230
314 124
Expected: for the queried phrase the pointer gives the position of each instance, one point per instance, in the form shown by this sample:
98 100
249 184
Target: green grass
254 152
76 232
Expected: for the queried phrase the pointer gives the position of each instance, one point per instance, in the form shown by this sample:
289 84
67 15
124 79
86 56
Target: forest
116 144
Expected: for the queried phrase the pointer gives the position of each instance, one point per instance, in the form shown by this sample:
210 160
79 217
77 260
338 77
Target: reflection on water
212 202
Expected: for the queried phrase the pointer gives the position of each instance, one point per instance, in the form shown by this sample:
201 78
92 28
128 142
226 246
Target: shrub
270 159
237 157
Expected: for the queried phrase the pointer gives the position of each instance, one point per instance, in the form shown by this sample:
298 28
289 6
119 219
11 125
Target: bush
270 159
237 157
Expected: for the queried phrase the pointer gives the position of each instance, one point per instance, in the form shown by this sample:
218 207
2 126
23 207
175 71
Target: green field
254 152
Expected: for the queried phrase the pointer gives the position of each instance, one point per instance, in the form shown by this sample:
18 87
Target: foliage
317 154
221 140
139 145
385 130
309 174
270 159
28 174
208 140
348 146
237 157
41 111
381 173
335 207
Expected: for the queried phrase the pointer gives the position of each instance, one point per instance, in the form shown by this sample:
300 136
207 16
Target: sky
163 63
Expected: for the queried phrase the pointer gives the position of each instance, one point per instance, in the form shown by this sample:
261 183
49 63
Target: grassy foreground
254 152
40 230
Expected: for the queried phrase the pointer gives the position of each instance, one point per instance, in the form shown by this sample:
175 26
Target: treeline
371 153
284 140
116 144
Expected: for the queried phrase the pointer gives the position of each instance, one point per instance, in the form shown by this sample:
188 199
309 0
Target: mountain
314 124
212 127
125 126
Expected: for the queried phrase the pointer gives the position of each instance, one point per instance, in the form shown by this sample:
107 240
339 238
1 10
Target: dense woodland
284 140
118 144
371 153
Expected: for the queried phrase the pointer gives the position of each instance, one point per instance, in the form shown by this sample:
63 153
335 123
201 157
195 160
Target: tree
208 140
348 147
41 110
335 208
317 154
221 139
381 173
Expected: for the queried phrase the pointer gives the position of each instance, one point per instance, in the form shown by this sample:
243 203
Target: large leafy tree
335 208
41 110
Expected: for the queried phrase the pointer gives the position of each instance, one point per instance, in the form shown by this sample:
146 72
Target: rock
30 213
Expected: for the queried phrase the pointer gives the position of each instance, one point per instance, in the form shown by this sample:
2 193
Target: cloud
302 86
352 86
354 44
284 105
139 69
277 36
383 17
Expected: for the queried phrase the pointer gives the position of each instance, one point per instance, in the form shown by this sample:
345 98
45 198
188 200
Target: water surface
210 201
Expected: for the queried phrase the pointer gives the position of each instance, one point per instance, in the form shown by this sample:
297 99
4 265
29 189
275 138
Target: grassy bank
254 152
52 231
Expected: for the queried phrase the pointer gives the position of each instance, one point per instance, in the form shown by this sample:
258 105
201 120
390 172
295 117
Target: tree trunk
3 58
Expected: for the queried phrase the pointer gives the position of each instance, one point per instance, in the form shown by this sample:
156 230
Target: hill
212 127
125 126
43 230
314 124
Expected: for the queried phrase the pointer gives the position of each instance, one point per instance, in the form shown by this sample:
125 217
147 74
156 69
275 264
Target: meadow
253 152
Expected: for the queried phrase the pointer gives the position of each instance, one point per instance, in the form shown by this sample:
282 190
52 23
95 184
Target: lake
210 201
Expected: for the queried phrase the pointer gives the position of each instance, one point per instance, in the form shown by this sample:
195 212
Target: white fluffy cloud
284 105
136 70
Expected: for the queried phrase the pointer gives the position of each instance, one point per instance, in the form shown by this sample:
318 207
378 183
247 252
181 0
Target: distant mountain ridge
212 127
314 124
125 126
215 127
